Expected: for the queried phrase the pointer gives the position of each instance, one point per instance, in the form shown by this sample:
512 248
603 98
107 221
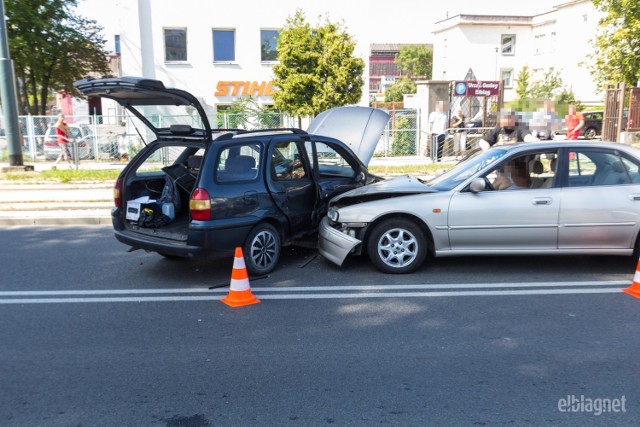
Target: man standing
507 131
437 128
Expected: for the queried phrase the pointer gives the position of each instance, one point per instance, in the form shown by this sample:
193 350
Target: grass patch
72 175
429 169
65 175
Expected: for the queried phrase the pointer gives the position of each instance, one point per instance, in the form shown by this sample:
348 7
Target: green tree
617 43
415 60
317 69
395 92
51 47
531 94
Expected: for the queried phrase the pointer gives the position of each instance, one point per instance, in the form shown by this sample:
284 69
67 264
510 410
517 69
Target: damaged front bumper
333 244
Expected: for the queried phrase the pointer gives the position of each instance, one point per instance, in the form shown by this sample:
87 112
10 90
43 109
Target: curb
52 221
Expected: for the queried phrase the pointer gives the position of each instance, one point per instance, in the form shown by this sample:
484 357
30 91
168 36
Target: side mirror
478 185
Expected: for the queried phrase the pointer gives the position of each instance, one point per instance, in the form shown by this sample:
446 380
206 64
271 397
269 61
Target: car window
240 162
533 170
286 162
164 156
600 168
330 161
466 169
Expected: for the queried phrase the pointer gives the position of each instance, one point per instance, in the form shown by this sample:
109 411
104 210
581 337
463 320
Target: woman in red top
574 121
64 136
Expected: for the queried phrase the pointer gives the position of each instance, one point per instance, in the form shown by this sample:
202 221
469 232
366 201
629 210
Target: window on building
508 44
506 76
269 45
175 44
539 44
224 45
116 42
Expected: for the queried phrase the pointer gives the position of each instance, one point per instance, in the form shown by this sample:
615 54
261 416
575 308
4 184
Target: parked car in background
592 124
83 137
579 198
592 128
259 190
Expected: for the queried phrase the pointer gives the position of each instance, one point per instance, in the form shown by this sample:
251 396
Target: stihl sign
235 88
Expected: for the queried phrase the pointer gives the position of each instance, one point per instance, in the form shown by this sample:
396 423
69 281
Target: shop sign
242 88
476 88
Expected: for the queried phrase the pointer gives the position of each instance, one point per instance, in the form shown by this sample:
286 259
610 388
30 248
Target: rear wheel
590 133
397 246
262 249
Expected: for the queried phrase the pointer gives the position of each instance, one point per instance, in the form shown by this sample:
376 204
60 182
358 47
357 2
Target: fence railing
119 138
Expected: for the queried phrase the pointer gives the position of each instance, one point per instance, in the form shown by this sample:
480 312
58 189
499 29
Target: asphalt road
93 335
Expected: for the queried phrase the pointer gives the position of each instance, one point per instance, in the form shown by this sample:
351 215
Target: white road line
424 286
316 296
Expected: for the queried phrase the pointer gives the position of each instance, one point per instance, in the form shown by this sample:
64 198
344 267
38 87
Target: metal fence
118 138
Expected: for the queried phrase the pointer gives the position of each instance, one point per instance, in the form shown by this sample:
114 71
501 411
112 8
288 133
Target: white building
497 47
213 50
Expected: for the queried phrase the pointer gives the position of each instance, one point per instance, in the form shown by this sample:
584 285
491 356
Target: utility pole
8 97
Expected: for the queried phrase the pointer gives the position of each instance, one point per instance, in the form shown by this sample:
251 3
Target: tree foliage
530 94
395 92
415 60
51 47
317 70
617 43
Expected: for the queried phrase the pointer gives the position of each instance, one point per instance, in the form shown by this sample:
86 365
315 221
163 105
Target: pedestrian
438 128
459 134
574 121
545 122
63 134
508 130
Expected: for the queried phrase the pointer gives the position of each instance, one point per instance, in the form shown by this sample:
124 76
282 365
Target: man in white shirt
437 128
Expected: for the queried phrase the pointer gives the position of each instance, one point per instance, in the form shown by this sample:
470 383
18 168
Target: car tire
590 133
262 249
397 246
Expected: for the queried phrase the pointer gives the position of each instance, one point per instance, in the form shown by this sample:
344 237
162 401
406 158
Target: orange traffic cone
239 288
634 289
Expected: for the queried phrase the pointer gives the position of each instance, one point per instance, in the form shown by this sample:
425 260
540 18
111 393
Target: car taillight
200 205
117 193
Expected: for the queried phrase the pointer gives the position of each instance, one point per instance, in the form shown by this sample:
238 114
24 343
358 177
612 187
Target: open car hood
394 187
358 127
148 99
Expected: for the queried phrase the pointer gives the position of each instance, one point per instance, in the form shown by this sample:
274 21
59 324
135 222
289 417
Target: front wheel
262 249
397 246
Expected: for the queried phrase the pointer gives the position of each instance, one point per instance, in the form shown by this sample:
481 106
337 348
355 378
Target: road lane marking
225 289
319 292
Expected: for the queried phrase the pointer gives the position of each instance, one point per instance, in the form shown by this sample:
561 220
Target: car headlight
333 215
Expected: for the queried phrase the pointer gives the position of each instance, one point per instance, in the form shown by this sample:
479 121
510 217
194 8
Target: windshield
466 169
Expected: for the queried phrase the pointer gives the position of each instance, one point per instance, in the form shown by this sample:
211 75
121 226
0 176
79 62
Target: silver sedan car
522 199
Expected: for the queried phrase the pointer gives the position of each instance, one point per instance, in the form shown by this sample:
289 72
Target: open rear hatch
148 100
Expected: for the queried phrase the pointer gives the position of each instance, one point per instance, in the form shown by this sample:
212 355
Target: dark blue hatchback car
194 191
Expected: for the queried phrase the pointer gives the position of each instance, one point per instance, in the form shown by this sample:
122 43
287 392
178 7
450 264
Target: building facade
218 51
223 51
496 47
